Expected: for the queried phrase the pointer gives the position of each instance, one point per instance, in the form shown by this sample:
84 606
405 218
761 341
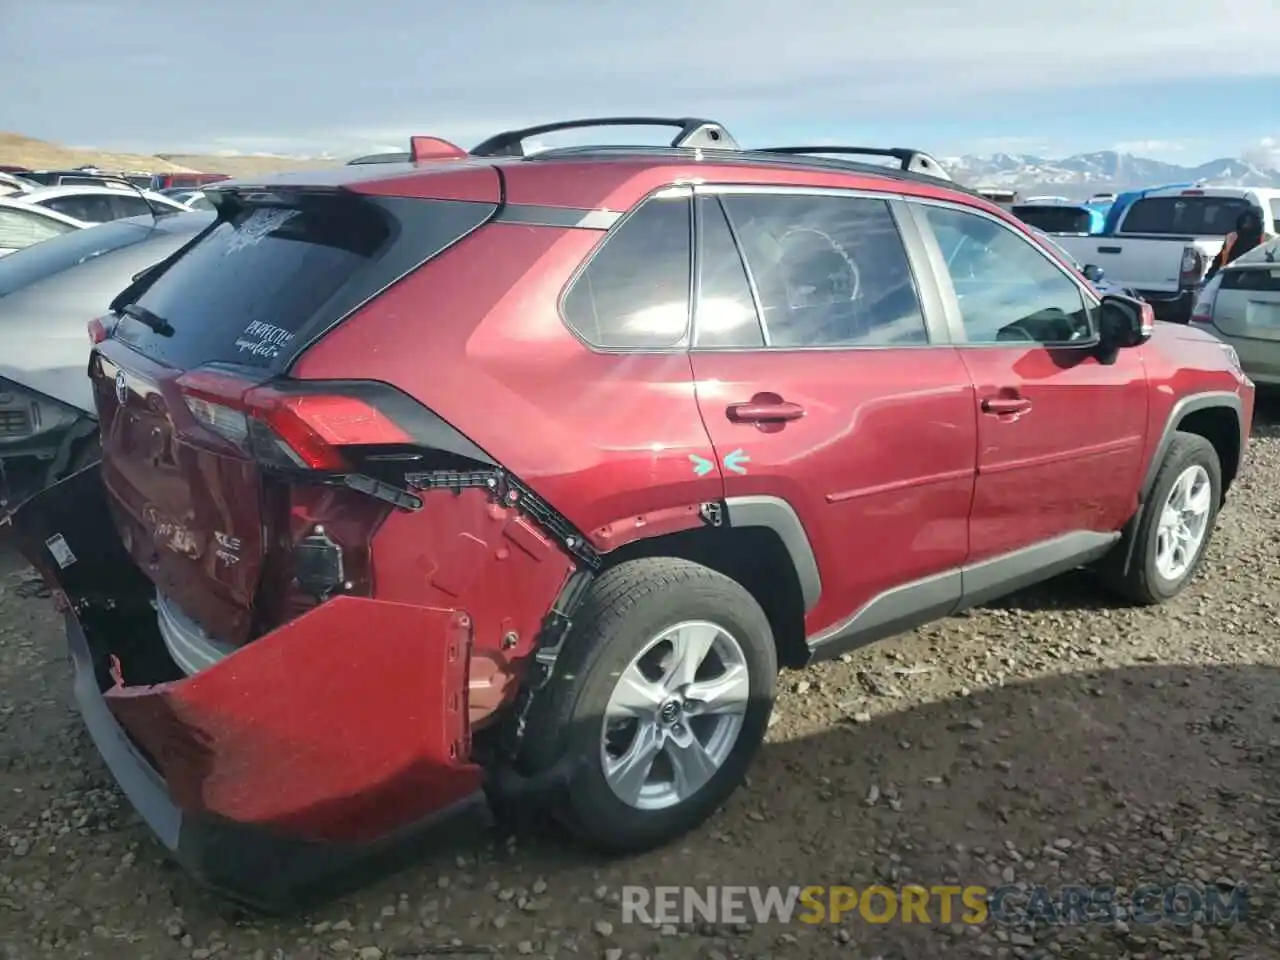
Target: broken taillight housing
299 426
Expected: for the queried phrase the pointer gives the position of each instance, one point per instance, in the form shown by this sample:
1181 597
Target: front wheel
661 699
1177 523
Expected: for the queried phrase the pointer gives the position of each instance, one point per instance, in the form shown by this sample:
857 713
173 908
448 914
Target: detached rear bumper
272 774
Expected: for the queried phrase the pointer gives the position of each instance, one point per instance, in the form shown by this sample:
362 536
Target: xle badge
122 388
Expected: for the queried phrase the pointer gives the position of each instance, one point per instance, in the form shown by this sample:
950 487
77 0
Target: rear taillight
1191 270
1202 312
100 329
291 427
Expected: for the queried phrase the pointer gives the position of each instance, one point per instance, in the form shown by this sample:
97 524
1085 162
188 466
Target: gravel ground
1050 739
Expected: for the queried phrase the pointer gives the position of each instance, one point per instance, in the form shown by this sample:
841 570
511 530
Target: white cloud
1150 148
1265 153
307 76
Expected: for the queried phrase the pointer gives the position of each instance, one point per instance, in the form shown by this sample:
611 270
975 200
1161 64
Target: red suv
523 475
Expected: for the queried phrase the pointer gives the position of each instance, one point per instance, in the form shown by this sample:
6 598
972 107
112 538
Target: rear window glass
44 259
1256 279
1055 219
242 293
1185 216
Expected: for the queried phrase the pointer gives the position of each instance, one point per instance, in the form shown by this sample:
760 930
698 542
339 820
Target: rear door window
1185 216
828 271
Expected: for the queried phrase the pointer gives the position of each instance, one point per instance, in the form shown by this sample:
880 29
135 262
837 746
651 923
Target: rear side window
634 291
1254 279
42 260
1185 216
1055 219
130 206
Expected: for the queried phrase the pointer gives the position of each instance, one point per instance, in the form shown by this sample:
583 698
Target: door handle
1005 405
757 412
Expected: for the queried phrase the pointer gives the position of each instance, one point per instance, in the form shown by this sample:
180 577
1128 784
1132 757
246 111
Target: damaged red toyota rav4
493 476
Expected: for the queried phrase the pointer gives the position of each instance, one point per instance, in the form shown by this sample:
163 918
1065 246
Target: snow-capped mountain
1088 173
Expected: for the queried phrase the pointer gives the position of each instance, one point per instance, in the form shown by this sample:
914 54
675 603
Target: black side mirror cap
1125 321
1093 273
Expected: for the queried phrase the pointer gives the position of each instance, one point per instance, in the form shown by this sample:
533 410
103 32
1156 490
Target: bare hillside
43 155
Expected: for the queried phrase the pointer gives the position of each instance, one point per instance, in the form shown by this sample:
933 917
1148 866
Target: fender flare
1191 404
776 514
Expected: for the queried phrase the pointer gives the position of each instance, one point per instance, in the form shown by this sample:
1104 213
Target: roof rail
913 161
694 132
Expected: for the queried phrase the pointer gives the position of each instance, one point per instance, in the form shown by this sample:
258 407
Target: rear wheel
661 699
1173 534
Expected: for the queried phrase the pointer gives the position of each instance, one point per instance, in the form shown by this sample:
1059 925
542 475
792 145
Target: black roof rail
694 132
913 161
747 156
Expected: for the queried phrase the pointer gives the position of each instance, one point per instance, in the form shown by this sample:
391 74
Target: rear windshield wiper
148 319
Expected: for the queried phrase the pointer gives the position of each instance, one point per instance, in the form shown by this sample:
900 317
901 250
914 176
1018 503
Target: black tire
625 609
1143 584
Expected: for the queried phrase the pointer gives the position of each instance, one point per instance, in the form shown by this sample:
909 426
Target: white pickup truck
1167 239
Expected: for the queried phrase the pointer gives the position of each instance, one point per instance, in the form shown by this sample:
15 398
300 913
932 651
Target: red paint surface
343 725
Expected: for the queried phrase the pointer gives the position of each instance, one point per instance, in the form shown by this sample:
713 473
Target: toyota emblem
122 388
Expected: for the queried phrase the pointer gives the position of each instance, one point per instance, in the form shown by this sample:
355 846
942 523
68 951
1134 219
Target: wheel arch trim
1193 403
776 514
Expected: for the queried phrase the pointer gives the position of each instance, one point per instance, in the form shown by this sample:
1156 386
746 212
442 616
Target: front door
1060 432
823 395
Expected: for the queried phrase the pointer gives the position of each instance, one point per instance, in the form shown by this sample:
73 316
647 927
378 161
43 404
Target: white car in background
90 205
22 225
11 184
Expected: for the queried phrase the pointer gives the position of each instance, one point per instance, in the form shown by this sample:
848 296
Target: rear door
243 300
826 392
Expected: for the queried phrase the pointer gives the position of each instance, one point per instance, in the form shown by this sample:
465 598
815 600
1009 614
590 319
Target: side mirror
1093 273
1125 321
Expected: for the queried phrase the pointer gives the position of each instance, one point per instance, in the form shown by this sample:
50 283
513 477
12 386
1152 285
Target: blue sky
1166 79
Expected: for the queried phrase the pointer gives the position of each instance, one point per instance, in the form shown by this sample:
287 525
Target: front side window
1009 290
829 271
634 292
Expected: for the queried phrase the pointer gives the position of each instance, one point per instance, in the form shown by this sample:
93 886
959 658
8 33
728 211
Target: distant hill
42 155
1076 176
1086 173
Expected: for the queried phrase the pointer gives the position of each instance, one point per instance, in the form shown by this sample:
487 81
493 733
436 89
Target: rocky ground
1051 739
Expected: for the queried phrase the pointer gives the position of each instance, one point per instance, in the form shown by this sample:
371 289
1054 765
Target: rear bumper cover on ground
272 774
